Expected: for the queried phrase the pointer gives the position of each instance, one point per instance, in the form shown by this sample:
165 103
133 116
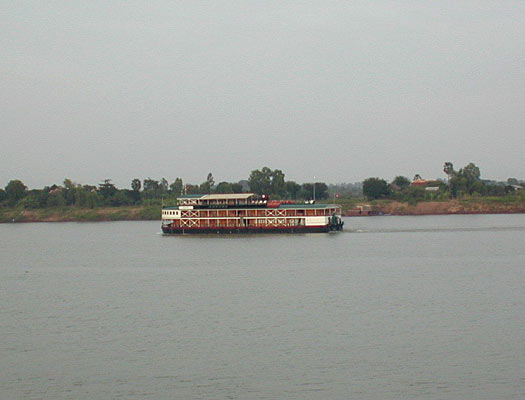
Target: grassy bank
66 214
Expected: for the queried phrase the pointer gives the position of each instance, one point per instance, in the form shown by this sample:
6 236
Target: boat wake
437 230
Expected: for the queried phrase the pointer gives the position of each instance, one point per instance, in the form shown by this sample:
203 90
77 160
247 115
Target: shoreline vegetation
462 192
483 205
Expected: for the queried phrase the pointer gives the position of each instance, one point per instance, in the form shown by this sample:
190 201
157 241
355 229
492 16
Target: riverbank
484 205
515 205
75 214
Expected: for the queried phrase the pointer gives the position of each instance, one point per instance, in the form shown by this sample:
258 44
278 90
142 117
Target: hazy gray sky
332 89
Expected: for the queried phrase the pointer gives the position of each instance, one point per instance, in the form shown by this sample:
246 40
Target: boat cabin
231 199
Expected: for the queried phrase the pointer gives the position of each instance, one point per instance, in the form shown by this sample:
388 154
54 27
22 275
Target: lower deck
248 230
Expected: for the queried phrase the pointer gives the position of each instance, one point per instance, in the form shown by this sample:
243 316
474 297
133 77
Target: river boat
248 213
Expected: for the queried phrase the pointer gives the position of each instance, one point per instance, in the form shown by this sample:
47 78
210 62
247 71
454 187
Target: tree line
465 181
153 192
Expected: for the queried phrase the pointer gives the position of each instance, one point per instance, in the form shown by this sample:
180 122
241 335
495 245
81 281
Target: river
429 307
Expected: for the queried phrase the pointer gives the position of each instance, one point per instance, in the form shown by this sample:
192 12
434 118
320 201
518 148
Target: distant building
418 181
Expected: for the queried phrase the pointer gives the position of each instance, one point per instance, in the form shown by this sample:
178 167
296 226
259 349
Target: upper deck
231 199
246 201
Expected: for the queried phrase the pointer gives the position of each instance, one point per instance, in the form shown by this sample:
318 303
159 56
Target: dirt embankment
448 207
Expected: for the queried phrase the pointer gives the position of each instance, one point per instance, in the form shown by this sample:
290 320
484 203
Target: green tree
206 186
91 199
401 182
277 182
15 191
375 188
163 185
307 191
448 168
466 181
414 194
89 188
237 187
121 198
176 187
321 190
151 185
224 187
457 186
31 200
55 199
292 189
260 181
43 196
79 195
478 188
3 195
135 190
267 181
192 189
471 173
69 191
495 190
107 189
210 180
136 185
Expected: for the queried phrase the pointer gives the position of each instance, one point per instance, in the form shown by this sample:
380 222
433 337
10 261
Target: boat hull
245 230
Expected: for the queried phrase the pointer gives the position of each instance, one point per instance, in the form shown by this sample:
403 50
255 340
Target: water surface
393 308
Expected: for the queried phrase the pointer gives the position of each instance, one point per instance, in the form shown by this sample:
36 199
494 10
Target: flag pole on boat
314 189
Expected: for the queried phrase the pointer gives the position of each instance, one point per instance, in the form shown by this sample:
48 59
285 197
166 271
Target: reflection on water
394 307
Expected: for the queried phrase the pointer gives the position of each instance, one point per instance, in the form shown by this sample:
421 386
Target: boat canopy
225 198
